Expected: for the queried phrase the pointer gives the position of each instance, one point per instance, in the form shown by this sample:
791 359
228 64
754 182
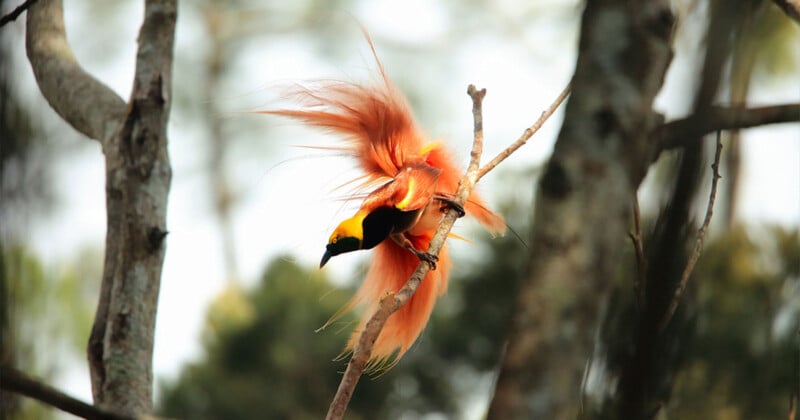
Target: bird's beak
325 258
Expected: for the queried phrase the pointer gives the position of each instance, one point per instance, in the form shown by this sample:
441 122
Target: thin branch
640 282
15 381
527 134
698 245
85 103
678 133
16 12
390 303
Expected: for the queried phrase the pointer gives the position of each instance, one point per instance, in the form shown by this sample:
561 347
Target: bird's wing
411 189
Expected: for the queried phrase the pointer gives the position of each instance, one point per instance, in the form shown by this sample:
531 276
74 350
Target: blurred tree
733 352
23 299
262 357
584 205
55 304
764 42
742 359
23 285
23 172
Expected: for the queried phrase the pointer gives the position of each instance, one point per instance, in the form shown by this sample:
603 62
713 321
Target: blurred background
250 212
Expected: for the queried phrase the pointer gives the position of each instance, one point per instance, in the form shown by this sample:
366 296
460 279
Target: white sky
521 80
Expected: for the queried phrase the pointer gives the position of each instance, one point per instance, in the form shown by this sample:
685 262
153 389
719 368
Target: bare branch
85 103
16 12
528 133
392 302
15 381
678 133
698 245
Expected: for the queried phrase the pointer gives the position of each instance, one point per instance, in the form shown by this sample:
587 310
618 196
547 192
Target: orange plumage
399 217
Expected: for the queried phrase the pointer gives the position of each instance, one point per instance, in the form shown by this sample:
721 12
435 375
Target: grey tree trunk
583 207
133 136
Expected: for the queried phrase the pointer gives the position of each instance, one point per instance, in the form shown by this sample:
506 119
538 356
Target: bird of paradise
414 181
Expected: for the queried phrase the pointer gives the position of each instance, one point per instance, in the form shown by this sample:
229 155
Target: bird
410 181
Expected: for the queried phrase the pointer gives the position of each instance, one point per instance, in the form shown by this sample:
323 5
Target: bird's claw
427 257
450 204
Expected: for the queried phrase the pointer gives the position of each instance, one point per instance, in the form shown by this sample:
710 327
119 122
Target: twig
698 245
639 283
392 302
677 133
527 134
16 12
15 381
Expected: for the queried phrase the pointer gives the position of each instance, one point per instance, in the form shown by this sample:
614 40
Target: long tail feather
375 120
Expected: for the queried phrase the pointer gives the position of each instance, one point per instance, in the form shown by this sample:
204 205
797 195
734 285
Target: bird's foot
448 203
427 257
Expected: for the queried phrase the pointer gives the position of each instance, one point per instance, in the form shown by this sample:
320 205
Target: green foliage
263 358
14 264
774 36
22 282
731 350
45 318
742 361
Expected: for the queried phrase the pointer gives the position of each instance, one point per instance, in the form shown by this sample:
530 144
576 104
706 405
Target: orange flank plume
398 218
390 269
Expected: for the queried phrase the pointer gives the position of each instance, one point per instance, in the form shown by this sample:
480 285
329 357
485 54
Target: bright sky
288 203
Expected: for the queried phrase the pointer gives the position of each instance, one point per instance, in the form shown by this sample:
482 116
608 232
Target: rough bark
222 194
138 173
583 207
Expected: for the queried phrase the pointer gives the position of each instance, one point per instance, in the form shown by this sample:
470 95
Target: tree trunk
138 174
583 207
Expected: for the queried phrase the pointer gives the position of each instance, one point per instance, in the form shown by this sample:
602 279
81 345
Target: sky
288 203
